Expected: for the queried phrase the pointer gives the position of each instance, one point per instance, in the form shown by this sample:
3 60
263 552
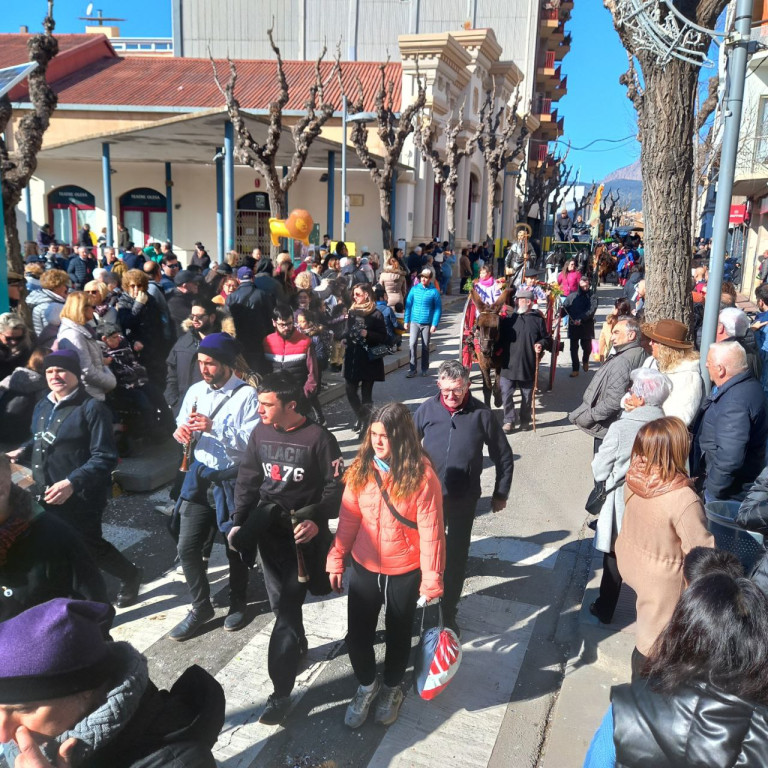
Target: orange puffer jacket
381 544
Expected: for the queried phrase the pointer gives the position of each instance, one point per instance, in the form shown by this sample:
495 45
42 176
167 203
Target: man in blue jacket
455 427
731 428
422 314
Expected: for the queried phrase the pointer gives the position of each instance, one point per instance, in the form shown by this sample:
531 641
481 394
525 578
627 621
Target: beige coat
394 285
657 531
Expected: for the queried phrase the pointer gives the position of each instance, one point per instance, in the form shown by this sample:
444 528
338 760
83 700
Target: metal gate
252 231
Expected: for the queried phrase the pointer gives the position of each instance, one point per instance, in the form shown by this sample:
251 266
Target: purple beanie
53 650
67 359
221 347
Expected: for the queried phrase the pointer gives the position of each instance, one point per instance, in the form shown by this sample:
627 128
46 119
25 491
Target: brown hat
670 333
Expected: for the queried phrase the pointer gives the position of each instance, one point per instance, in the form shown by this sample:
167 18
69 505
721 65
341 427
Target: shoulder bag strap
384 495
618 485
225 401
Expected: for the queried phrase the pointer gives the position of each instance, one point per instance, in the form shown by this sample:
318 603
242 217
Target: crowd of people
228 360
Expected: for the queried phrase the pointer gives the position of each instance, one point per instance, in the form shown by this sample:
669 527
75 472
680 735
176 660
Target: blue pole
28 207
5 303
229 187
331 192
106 174
168 203
392 211
220 205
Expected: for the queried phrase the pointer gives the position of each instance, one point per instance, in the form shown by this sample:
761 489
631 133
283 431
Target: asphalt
537 669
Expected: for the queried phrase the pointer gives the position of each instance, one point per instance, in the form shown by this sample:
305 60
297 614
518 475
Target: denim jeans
419 331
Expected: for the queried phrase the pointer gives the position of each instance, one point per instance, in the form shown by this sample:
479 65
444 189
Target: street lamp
9 77
357 117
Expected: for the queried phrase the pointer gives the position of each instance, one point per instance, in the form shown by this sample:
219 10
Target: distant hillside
627 181
628 173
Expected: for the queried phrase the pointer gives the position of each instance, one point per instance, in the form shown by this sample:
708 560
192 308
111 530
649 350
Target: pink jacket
569 281
376 540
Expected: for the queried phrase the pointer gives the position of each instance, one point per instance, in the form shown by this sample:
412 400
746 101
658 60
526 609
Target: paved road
527 572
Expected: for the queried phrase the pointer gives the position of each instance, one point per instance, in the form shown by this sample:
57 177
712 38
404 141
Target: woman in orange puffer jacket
391 521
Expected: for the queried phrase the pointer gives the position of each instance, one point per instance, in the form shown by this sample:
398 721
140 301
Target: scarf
22 512
459 407
488 282
363 308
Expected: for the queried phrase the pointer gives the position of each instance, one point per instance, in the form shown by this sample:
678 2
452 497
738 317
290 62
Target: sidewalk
599 659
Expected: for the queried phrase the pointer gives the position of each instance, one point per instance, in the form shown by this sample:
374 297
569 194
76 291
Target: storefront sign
738 214
71 195
144 197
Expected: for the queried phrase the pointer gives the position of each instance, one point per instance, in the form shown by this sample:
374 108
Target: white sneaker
388 706
357 710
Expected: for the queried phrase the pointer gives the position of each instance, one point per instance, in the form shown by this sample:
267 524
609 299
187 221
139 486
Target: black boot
129 590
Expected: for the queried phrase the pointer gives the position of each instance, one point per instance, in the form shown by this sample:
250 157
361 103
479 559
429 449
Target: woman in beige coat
393 280
663 521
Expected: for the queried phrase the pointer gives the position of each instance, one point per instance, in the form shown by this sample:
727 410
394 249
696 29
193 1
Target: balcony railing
549 59
752 158
550 14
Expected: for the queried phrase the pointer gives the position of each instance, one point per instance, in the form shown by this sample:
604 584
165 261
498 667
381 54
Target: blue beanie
67 359
221 347
55 649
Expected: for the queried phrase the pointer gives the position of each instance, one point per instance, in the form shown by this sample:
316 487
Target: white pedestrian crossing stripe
513 550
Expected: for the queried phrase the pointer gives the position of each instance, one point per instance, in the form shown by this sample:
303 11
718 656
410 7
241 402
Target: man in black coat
183 368
731 428
455 428
580 306
522 338
41 557
80 269
180 300
563 227
251 309
72 454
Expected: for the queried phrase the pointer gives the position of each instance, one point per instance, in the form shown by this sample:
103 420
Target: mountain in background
627 181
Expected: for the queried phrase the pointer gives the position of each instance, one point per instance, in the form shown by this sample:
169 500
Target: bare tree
261 156
19 165
392 129
446 168
665 103
581 205
707 146
608 209
498 127
545 186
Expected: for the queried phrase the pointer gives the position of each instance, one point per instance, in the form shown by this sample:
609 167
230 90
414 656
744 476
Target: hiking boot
357 709
585 365
192 623
237 617
574 374
411 375
276 710
388 706
129 590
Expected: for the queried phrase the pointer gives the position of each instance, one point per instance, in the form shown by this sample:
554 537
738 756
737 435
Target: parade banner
594 217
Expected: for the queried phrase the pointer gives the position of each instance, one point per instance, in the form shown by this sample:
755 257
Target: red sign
738 214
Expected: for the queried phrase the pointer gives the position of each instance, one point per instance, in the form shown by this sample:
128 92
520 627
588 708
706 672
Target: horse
603 262
480 336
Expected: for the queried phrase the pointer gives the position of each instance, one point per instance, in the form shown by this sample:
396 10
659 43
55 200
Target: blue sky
143 18
595 107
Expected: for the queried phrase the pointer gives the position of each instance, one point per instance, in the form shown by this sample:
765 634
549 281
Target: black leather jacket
699 727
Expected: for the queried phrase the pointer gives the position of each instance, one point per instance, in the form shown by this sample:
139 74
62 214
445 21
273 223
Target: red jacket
376 540
295 356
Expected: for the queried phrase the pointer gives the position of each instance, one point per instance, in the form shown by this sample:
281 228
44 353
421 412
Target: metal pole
5 302
106 173
343 170
331 196
28 208
352 22
220 204
737 70
393 210
229 187
168 203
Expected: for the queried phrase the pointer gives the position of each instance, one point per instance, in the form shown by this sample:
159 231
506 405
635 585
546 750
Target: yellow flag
594 217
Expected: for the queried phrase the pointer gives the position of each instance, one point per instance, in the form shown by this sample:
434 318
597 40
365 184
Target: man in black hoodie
82 700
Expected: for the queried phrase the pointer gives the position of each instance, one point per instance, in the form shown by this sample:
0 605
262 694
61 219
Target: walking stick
535 387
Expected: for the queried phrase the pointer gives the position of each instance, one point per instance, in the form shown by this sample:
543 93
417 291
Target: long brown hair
664 445
407 460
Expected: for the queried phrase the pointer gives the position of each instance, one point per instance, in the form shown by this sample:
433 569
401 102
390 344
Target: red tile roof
107 79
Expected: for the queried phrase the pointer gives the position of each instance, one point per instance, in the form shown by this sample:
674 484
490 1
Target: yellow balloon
298 226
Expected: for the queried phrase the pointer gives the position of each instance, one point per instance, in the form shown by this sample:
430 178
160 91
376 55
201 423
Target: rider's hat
670 333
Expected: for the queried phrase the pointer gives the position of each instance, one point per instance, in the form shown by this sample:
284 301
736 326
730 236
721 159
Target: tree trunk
385 202
450 213
276 211
11 198
491 193
667 164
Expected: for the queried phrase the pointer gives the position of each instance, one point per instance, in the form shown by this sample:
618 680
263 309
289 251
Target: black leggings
368 591
361 404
